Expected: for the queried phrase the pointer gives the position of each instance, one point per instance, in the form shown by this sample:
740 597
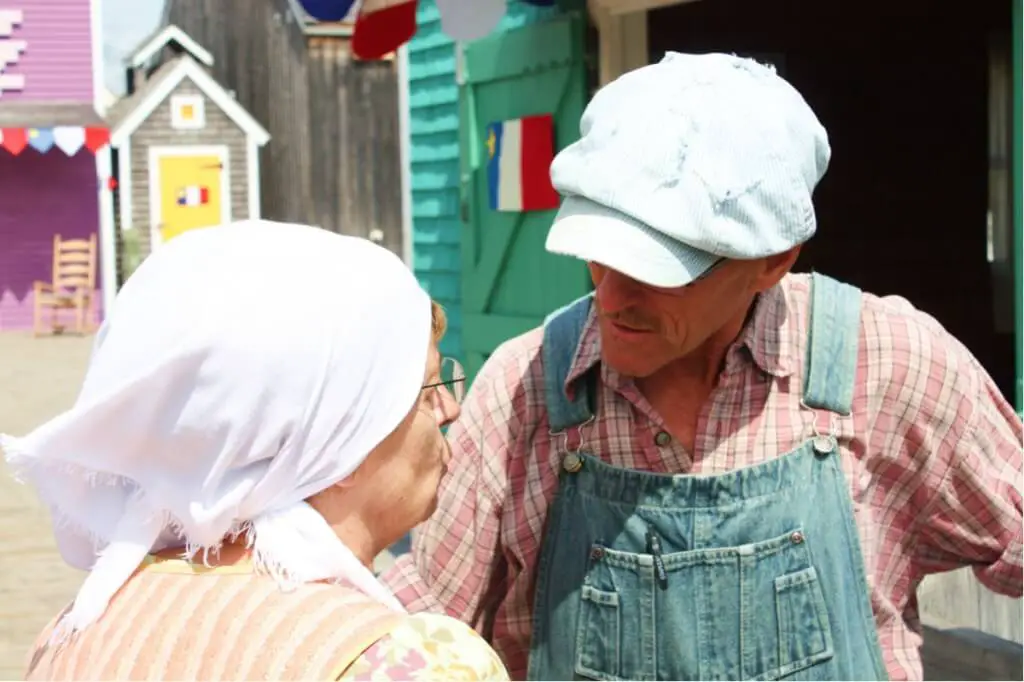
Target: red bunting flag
96 139
383 26
14 140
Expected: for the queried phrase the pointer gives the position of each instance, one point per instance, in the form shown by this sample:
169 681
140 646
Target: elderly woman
260 418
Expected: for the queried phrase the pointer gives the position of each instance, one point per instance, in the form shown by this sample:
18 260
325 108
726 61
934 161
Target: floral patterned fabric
428 647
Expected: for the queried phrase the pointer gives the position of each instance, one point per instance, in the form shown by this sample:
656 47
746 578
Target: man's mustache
631 319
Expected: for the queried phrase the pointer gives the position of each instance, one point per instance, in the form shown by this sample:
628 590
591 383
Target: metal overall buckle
572 460
823 443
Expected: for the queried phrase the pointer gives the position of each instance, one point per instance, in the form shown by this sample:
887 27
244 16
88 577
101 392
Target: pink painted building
54 157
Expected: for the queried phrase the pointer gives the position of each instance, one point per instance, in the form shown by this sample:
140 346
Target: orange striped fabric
175 620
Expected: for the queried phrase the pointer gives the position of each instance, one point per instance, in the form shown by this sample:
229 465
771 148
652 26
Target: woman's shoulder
427 646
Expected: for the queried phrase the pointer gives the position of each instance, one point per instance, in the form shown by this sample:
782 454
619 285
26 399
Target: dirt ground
38 379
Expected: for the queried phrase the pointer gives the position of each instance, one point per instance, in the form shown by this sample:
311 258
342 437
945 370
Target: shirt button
662 439
796 537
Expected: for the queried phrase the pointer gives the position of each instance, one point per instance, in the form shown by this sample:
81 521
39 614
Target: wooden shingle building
187 151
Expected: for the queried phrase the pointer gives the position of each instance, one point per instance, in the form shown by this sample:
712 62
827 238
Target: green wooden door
509 282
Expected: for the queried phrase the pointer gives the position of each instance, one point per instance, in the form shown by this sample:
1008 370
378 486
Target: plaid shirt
931 451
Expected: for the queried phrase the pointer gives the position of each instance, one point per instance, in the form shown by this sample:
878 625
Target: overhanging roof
132 111
165 36
48 115
617 7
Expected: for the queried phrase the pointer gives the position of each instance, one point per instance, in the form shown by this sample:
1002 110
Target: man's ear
776 267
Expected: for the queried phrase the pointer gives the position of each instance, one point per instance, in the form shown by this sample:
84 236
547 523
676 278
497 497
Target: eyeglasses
453 377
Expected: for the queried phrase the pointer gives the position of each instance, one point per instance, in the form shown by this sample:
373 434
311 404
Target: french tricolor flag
519 156
193 195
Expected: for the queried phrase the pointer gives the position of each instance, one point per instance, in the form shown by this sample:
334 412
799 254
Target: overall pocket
754 611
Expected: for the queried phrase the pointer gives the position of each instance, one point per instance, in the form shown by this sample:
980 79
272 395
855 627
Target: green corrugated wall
434 156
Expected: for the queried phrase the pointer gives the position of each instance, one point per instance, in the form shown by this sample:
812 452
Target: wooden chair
73 286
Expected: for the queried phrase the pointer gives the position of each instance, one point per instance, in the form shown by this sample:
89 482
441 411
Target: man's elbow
1005 576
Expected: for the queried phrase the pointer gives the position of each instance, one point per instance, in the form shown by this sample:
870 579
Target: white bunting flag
465 20
69 139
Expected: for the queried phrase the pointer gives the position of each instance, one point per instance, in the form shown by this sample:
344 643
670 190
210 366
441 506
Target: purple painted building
50 133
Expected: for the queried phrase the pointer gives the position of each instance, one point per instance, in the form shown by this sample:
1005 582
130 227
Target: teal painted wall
434 157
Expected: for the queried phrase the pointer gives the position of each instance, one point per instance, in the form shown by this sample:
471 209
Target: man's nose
617 292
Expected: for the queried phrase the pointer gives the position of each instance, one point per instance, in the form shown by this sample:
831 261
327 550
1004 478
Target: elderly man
713 468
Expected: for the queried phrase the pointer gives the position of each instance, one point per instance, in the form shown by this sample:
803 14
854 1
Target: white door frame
156 153
622 37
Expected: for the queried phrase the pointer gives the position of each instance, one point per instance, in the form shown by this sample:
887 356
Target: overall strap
562 331
832 348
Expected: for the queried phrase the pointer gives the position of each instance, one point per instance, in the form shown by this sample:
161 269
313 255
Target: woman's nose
448 407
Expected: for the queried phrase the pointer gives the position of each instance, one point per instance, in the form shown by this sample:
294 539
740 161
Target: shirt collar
769 336
770 333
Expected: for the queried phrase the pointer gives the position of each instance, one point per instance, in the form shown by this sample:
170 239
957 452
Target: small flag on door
193 195
519 156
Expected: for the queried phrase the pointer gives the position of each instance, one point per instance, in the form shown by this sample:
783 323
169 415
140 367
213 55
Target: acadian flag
519 156
193 195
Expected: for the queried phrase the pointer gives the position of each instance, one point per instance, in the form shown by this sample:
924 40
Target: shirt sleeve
456 559
974 519
428 647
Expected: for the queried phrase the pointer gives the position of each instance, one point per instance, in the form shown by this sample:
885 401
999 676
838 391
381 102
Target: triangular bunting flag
465 20
383 26
40 139
14 140
69 139
327 10
96 139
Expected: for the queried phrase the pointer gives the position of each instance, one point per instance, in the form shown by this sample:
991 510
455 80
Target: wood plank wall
333 159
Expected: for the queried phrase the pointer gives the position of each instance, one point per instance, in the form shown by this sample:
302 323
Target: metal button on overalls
823 445
572 462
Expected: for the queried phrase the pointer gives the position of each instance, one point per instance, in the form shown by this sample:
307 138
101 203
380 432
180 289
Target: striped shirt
931 451
177 620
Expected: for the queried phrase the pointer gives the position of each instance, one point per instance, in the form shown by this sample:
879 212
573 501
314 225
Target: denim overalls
753 574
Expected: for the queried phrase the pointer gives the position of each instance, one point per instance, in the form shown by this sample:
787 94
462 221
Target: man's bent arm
975 517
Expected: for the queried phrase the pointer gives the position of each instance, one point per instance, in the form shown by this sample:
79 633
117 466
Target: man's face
644 328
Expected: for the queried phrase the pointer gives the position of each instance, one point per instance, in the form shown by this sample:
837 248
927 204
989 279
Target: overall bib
756 574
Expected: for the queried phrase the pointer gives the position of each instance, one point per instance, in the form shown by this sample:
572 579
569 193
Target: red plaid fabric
932 453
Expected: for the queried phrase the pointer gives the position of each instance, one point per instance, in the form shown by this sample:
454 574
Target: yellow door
190 193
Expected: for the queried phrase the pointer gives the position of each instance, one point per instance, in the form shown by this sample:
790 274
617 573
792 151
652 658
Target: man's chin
629 364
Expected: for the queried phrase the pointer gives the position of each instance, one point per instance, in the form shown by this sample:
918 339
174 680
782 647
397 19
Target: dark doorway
904 91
